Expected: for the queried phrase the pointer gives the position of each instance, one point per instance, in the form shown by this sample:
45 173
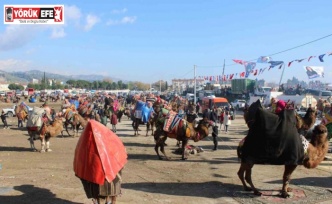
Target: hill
27 76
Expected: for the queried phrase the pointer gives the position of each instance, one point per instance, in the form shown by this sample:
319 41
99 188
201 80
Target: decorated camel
46 132
179 129
274 139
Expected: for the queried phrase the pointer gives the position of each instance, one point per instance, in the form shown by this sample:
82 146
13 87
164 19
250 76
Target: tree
15 87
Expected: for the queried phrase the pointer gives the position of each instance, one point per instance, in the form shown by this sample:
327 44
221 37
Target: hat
9 10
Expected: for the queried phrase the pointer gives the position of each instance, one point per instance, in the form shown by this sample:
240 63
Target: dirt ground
208 177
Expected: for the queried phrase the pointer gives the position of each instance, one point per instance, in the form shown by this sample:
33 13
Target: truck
242 86
299 100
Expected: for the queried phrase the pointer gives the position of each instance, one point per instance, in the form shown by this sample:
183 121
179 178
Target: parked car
238 104
2 93
9 111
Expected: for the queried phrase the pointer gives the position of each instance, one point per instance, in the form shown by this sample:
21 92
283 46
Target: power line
286 50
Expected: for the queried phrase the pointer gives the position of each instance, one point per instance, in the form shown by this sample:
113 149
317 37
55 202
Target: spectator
4 119
227 121
214 118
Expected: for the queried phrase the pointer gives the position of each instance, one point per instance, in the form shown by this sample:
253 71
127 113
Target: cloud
91 20
58 33
72 12
124 20
124 10
16 36
14 64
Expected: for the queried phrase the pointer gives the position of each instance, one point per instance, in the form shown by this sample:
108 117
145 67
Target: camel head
249 113
317 148
202 130
307 121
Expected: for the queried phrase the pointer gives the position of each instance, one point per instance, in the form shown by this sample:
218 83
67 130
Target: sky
149 40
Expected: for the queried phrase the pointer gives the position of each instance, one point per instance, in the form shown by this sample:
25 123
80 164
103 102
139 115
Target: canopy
99 154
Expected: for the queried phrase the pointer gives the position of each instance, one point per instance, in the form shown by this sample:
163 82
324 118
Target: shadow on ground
15 149
32 194
212 189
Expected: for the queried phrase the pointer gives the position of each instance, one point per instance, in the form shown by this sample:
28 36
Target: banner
249 66
33 14
314 72
264 59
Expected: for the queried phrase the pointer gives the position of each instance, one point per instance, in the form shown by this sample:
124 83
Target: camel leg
242 171
249 180
42 144
162 147
245 170
156 148
147 128
184 144
286 179
152 129
32 143
48 145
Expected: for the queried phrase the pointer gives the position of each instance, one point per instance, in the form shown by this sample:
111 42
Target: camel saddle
273 139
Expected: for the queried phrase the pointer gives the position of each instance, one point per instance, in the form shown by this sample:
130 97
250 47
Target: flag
256 71
300 60
329 53
249 66
264 59
239 61
275 63
314 72
289 63
242 74
310 58
231 76
321 57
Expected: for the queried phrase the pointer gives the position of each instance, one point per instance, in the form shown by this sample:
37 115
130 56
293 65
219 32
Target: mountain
6 77
27 76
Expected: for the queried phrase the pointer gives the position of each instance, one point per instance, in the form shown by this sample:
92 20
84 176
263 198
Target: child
4 120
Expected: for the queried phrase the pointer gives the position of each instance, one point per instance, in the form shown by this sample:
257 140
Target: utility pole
282 74
160 86
194 84
222 76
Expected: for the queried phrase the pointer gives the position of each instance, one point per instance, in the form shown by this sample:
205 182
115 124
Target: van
210 102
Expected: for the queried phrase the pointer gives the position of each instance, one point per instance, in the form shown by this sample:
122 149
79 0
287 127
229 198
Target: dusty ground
208 177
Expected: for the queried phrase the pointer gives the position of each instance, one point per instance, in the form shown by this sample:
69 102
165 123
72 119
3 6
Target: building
4 87
34 81
181 85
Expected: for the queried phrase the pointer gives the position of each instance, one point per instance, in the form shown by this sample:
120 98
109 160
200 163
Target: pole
222 76
160 86
282 74
194 84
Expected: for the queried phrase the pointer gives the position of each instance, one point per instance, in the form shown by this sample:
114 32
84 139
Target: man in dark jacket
214 117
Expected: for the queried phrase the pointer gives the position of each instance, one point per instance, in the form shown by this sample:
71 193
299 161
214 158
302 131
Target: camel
21 114
46 132
185 131
310 156
76 120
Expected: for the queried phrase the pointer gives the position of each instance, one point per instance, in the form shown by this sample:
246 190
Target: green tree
15 87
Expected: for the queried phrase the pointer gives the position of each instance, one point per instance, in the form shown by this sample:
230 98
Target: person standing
214 118
4 119
227 121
